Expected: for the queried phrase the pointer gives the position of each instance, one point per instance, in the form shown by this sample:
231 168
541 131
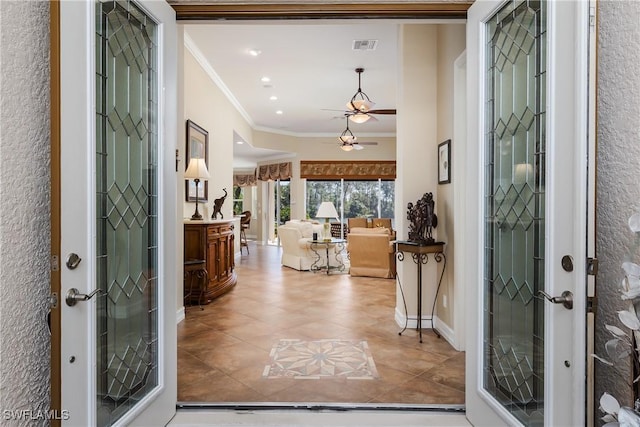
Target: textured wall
618 171
24 206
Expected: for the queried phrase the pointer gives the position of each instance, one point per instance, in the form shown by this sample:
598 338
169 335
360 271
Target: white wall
417 141
202 102
207 106
25 231
451 43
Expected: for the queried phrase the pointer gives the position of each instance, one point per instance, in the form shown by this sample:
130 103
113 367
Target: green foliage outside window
285 201
367 199
238 200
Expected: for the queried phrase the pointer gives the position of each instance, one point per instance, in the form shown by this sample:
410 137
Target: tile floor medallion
329 358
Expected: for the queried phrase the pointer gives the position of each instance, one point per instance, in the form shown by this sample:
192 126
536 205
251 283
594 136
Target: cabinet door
231 252
213 265
224 258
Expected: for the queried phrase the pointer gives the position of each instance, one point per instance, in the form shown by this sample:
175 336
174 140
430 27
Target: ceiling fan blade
331 109
367 143
382 111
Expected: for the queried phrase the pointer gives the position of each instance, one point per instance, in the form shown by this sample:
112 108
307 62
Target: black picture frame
197 146
444 162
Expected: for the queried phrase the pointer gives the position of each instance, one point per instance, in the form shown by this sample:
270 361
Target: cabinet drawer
213 232
219 231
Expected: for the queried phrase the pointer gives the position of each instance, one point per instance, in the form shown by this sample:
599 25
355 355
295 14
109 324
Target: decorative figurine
422 220
217 205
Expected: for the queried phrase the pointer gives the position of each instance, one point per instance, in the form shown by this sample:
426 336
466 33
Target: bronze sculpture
422 220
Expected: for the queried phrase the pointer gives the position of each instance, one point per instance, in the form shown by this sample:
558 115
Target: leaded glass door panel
526 363
118 136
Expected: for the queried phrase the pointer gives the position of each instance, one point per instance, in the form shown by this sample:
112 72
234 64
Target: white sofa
296 251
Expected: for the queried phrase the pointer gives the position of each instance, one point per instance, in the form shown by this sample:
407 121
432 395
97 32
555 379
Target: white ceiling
311 65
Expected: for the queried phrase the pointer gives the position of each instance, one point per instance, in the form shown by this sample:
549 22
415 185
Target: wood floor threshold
322 407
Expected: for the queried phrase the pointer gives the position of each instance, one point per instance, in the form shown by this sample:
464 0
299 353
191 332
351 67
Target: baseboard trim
443 329
446 332
412 322
180 315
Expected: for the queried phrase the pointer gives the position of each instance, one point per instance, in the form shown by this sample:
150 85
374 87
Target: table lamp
327 211
197 170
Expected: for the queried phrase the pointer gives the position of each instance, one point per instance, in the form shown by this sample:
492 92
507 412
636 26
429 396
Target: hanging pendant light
360 102
348 141
359 117
347 137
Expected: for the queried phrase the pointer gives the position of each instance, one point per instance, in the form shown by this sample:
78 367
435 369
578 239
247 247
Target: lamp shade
197 169
359 117
327 210
363 105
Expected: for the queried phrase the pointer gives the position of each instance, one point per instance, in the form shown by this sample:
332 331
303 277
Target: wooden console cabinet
211 241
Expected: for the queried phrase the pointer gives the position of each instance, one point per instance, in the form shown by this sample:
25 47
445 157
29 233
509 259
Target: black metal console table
420 255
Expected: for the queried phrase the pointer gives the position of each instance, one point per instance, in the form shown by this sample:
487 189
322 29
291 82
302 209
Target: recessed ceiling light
254 52
239 142
265 79
273 98
279 112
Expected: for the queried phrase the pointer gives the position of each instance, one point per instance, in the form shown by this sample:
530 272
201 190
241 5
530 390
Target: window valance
245 180
274 171
365 169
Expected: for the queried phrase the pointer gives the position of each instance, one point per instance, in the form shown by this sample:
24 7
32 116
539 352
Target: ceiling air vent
365 44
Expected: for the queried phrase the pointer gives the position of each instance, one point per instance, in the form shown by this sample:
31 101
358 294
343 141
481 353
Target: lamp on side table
196 171
327 211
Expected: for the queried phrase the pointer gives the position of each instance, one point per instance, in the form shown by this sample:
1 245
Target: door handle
74 295
566 299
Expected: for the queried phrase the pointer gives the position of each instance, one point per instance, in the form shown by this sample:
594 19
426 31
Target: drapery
245 180
274 171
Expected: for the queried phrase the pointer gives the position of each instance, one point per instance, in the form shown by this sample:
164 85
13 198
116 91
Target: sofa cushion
306 228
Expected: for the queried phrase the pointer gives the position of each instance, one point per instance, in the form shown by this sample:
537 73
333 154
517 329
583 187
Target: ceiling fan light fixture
359 117
347 137
363 105
346 147
360 101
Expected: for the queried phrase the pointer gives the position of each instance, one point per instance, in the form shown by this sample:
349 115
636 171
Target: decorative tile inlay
328 358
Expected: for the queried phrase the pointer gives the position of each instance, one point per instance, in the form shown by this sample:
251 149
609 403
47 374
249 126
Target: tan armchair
384 223
371 252
357 222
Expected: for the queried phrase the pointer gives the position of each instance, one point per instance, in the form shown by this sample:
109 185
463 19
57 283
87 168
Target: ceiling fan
348 141
359 108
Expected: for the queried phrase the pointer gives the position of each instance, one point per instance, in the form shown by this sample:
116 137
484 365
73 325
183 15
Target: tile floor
224 348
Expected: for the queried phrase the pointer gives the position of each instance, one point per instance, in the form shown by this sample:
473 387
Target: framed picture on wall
197 147
444 162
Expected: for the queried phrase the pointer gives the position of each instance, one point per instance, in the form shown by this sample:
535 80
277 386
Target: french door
527 157
119 216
